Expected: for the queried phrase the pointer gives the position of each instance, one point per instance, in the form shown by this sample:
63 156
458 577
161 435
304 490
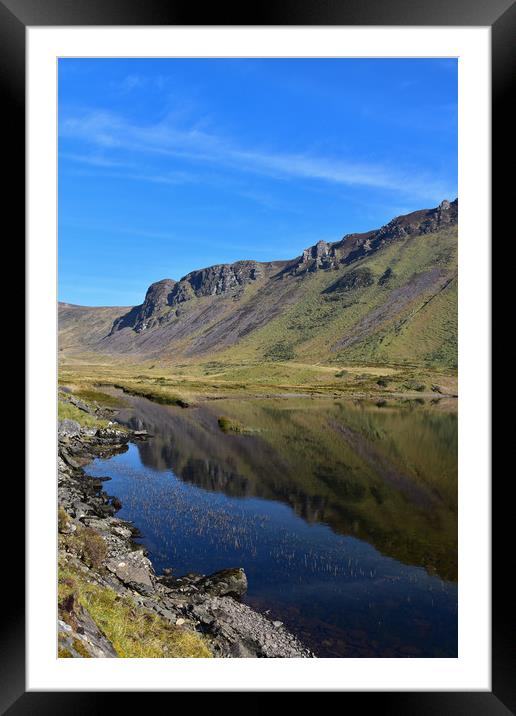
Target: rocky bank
100 547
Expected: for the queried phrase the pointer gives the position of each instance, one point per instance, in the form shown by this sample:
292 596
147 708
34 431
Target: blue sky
168 165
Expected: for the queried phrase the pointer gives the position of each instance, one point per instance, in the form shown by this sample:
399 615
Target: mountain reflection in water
375 487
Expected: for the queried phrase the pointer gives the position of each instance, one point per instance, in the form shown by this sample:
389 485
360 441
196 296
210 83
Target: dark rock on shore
134 570
227 582
68 429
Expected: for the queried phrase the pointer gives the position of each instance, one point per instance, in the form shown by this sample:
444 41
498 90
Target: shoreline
380 398
97 554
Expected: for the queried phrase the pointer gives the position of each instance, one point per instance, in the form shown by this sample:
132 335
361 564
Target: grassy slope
83 325
313 324
67 411
134 631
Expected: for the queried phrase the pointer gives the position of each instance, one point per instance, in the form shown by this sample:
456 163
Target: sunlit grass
71 412
181 384
103 399
134 631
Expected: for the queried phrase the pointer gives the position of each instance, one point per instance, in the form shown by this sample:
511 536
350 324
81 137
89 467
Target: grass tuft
87 544
229 425
63 519
156 395
90 395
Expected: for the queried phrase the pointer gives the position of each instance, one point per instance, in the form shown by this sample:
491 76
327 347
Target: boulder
134 570
68 428
80 404
227 582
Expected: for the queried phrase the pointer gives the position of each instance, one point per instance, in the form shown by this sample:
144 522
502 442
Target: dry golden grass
187 384
134 631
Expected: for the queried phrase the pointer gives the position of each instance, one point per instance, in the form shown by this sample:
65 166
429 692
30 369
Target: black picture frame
500 16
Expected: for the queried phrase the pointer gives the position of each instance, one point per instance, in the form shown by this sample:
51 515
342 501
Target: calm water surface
344 516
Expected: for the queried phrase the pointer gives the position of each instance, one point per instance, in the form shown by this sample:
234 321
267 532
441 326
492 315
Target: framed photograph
258 351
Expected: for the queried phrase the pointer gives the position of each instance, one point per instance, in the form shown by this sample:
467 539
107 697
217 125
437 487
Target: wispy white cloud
111 132
132 172
168 237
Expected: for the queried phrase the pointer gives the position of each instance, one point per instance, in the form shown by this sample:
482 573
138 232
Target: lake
343 514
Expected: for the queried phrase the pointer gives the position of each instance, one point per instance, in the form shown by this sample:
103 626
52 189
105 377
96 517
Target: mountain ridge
211 310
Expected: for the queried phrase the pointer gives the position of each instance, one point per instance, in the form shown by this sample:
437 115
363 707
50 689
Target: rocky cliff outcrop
326 256
149 313
322 255
223 278
426 221
163 298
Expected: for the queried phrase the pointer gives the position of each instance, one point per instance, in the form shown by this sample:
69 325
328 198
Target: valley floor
184 383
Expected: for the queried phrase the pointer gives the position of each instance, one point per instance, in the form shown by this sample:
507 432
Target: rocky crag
98 551
239 309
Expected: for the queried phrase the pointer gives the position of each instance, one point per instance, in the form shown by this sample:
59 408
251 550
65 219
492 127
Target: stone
122 532
84 639
68 528
226 582
134 570
68 428
80 404
63 625
80 509
238 631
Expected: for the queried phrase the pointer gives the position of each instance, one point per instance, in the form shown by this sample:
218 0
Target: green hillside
421 328
386 297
